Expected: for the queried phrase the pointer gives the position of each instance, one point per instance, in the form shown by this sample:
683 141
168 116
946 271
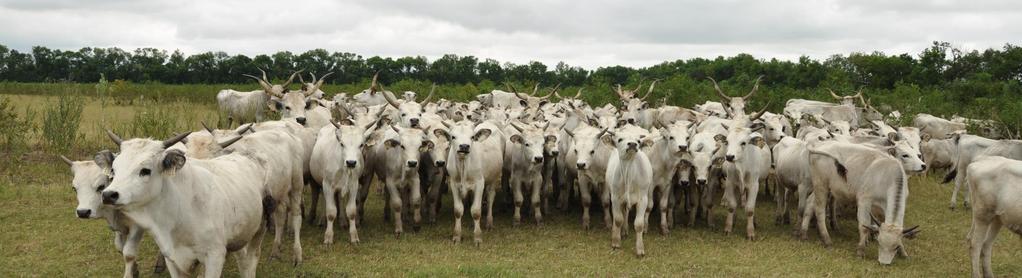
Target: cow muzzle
84 213
730 158
412 164
538 159
440 163
463 148
683 148
300 120
110 197
351 163
414 122
581 165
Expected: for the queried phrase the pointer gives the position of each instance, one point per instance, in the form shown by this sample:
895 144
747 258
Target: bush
60 123
13 131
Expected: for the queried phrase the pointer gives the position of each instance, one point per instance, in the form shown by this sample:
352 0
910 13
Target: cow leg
692 203
416 205
279 216
491 193
608 217
537 195
821 216
459 210
863 216
619 220
294 209
665 215
395 206
130 251
161 263
587 202
516 190
642 209
959 179
214 262
782 206
329 190
477 211
351 210
316 190
731 203
995 226
750 209
433 198
364 184
803 196
249 256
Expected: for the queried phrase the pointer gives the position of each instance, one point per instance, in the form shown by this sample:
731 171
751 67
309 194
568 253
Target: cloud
586 33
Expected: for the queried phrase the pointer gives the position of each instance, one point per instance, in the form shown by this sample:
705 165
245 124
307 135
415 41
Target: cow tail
950 176
269 205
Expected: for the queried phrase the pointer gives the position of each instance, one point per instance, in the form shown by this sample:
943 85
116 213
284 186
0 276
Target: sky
590 34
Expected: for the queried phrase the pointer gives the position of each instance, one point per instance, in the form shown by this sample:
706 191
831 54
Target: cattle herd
205 193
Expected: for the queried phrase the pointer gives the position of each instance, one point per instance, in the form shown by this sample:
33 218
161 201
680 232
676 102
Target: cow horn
267 80
602 132
568 131
517 127
579 94
343 107
650 90
266 86
290 79
336 124
302 80
319 81
247 127
833 94
204 126
391 99
314 79
911 232
173 140
719 91
535 89
551 93
618 91
227 143
117 139
430 96
754 88
373 85
874 220
637 87
761 112
66 160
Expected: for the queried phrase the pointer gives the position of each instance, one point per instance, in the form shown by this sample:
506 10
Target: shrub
60 122
14 131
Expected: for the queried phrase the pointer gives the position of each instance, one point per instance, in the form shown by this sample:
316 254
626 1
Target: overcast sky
588 33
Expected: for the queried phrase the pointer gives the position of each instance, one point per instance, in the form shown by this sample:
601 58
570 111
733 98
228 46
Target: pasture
41 237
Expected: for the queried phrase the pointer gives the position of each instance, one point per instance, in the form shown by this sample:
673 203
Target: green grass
40 235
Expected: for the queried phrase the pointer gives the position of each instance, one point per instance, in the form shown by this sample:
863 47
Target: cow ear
892 151
608 140
441 133
392 143
482 134
720 138
593 122
173 160
371 138
277 105
308 104
427 145
757 126
517 138
893 136
551 139
648 142
523 103
104 159
725 126
758 141
717 161
620 123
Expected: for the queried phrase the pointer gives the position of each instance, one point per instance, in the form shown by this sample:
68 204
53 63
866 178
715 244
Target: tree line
939 65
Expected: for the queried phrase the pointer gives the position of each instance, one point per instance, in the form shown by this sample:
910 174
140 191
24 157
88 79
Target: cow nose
110 197
300 120
924 167
84 213
701 181
414 122
581 165
730 157
683 148
412 164
631 121
555 153
463 147
351 163
632 144
440 163
538 159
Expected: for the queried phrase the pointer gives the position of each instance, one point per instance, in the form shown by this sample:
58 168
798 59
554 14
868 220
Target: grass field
40 235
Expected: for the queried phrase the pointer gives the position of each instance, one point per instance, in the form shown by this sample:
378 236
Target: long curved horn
832 94
619 93
170 142
372 86
650 89
228 143
579 94
343 107
430 96
754 88
267 80
314 79
719 91
266 86
446 124
319 81
113 137
290 79
245 129
568 131
858 94
302 80
204 126
336 124
517 127
66 160
535 89
391 99
602 132
760 113
637 87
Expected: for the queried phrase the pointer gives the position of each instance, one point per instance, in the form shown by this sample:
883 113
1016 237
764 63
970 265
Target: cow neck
897 195
165 213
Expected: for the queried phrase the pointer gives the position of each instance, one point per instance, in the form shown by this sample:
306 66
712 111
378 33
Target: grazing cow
197 210
338 163
967 148
524 152
996 191
281 153
747 163
629 177
735 105
88 181
938 154
396 163
471 168
591 162
870 178
936 127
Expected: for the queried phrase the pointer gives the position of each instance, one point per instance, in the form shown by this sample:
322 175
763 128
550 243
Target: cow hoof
328 242
355 242
751 237
665 232
416 228
478 242
297 262
456 239
159 269
860 252
640 254
615 246
397 235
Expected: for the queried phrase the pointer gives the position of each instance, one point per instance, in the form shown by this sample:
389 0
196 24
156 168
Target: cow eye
527 144
287 108
904 155
619 140
144 172
402 114
672 138
592 152
100 188
75 189
576 151
743 143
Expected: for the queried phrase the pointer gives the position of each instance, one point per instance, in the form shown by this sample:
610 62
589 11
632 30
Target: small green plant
102 90
60 123
14 131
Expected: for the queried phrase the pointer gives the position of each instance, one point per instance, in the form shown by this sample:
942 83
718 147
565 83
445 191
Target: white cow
471 168
197 210
338 163
936 127
967 148
88 181
665 155
938 154
523 151
869 178
707 152
996 191
747 163
629 177
396 163
734 105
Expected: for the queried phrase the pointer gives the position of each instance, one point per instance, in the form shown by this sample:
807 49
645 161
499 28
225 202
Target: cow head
838 127
88 181
909 157
207 144
632 107
739 136
585 140
776 127
531 140
846 100
890 239
461 137
352 139
271 89
677 135
411 142
140 170
409 111
628 140
531 101
734 105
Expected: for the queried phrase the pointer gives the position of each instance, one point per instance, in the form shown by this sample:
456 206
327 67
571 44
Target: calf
629 177
88 181
996 191
197 210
